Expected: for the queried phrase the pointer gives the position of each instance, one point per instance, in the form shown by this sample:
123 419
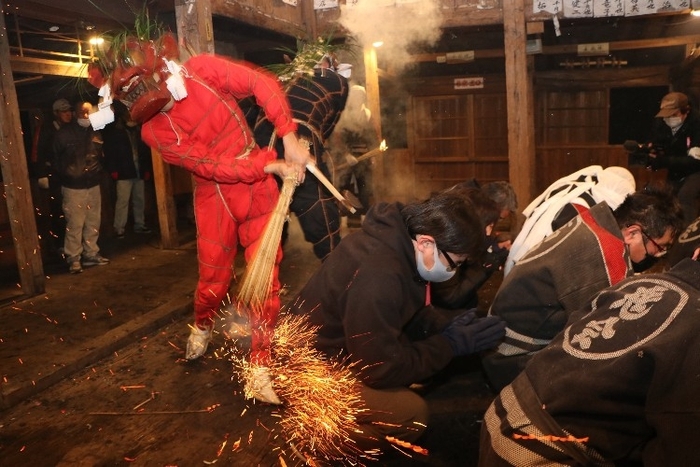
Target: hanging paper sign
605 8
549 6
290 2
469 83
325 4
578 8
640 7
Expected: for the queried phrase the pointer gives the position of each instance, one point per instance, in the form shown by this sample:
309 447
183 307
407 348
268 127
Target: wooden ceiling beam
38 66
573 48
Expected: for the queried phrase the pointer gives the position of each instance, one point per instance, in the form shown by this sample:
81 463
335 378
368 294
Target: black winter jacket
368 299
78 156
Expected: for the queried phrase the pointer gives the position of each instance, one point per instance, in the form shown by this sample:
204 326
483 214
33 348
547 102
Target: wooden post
195 35
520 102
372 89
308 15
15 175
167 213
194 27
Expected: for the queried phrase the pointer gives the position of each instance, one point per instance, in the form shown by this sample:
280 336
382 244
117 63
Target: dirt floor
94 375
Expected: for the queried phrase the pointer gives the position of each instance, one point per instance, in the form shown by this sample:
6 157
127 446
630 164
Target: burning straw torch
374 152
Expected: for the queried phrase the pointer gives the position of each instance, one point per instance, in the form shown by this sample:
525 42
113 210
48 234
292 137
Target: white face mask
438 273
84 122
673 122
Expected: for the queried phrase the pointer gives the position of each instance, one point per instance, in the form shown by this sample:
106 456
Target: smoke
399 24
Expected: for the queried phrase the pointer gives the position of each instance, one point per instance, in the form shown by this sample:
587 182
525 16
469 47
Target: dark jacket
119 153
674 147
623 375
364 297
554 279
78 155
42 156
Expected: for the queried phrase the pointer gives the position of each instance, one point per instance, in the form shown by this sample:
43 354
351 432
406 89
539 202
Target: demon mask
137 73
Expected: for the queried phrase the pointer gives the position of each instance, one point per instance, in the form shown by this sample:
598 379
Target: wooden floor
140 403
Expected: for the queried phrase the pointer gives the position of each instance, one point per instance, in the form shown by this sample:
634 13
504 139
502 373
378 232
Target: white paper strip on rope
578 8
291 2
603 8
549 6
325 4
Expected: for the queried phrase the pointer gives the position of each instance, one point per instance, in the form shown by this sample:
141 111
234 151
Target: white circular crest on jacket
624 319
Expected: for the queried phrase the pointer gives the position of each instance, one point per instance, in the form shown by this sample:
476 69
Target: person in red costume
190 114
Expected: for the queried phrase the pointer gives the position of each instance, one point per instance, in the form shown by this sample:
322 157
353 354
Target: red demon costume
190 114
207 134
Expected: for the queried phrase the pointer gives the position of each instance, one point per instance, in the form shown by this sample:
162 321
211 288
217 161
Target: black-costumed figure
317 89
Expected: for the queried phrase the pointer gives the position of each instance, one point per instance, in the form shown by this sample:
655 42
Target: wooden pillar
372 89
308 15
520 102
195 34
15 175
195 31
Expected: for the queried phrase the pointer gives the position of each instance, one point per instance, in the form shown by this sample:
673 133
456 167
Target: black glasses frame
452 265
660 249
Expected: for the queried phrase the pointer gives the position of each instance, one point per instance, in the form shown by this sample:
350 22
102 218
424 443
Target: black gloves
468 334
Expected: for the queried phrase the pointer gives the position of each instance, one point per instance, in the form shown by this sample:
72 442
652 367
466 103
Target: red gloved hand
115 175
147 176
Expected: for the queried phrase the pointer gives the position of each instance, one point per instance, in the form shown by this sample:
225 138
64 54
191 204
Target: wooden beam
519 102
40 66
573 48
283 19
15 175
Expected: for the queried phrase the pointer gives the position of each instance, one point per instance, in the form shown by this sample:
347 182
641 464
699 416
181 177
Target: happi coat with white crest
619 386
551 281
207 134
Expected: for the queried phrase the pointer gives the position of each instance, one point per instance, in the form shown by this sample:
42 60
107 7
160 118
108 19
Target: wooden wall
454 135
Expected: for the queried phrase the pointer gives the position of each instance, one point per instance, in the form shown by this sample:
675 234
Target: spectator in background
77 152
503 194
45 171
676 142
596 249
128 160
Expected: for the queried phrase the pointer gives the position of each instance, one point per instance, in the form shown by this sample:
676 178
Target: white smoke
399 24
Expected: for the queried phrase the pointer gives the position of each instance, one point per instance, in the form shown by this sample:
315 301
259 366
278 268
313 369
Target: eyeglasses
661 250
452 265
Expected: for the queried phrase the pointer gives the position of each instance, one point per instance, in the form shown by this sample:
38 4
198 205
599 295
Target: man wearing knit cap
676 130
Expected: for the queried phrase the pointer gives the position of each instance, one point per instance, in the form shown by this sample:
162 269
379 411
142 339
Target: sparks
321 395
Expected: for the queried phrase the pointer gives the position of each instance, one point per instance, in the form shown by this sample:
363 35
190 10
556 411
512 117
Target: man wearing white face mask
78 161
676 130
371 300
